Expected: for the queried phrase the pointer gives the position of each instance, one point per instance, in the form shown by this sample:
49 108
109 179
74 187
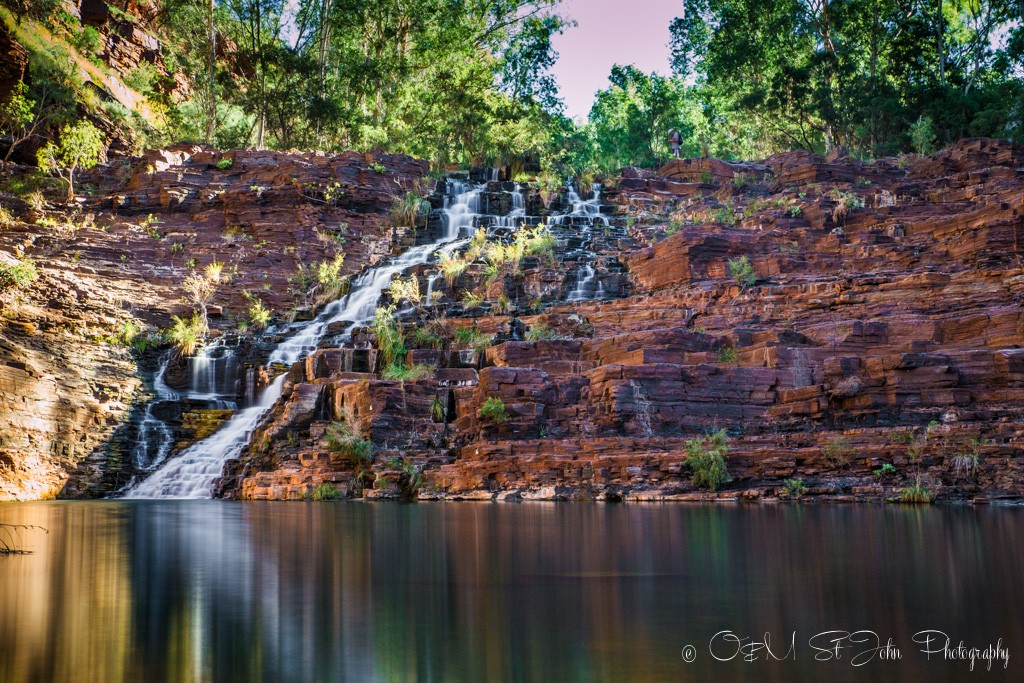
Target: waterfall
643 411
582 216
193 472
155 438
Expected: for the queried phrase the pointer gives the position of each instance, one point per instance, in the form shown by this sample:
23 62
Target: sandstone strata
878 347
68 379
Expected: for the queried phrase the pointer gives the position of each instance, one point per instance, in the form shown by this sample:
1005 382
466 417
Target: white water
193 472
588 211
154 433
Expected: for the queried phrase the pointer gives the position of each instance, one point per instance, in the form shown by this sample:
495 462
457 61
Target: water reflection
212 591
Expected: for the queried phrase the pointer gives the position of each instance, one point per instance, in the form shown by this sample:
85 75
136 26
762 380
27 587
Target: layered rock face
112 272
855 329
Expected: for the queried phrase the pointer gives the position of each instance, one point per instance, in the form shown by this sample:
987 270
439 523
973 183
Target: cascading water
155 438
193 472
584 214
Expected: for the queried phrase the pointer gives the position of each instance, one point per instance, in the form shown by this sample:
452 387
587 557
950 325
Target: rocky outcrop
872 350
112 273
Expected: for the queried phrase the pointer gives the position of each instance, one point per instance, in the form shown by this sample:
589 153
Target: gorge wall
873 347
112 272
874 350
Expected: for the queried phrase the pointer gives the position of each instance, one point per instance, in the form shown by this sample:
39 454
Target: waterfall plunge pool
224 591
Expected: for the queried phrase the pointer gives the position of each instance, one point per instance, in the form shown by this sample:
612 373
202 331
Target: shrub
259 315
794 488
326 491
402 373
225 163
471 300
187 334
17 274
405 290
426 338
407 208
450 266
886 470
837 451
469 338
742 272
493 411
706 458
922 135
917 493
477 245
728 354
341 440
540 332
538 241
87 41
437 410
390 341
966 459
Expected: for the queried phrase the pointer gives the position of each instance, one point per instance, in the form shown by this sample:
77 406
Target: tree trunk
942 50
211 123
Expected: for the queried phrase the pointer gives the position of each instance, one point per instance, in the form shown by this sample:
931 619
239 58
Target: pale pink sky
609 32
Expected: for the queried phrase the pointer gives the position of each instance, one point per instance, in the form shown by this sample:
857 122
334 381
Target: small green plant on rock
403 373
918 493
728 354
838 452
390 341
357 451
407 208
259 315
742 272
437 410
187 334
886 470
794 488
493 411
965 459
225 163
705 457
540 332
326 491
17 274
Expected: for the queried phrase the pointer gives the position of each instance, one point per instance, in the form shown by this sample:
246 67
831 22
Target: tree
78 147
16 119
631 119
37 10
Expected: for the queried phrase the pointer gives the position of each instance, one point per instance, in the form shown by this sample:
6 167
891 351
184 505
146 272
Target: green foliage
390 341
427 338
922 135
778 75
404 373
326 491
917 493
143 79
187 334
437 410
965 458
225 163
87 41
357 451
17 274
451 267
728 354
886 470
259 315
705 457
79 147
36 10
742 272
794 488
469 338
540 332
407 208
837 451
405 290
493 411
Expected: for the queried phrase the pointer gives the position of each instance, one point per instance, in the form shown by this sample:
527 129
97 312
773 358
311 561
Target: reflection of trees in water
300 592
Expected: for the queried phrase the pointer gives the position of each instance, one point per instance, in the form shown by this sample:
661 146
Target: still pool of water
218 591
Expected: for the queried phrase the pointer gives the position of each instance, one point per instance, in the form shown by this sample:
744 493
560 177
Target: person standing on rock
675 139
